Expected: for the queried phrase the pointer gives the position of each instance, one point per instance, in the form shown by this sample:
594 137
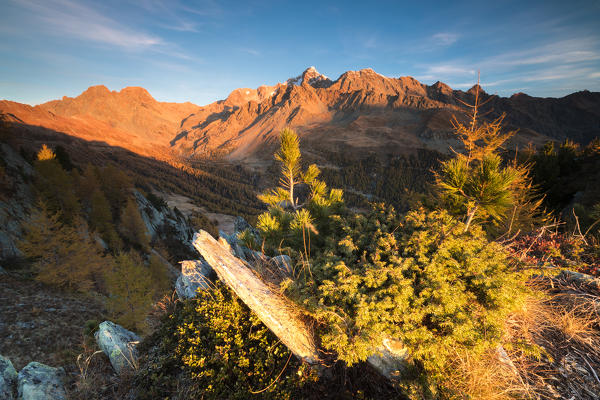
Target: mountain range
359 112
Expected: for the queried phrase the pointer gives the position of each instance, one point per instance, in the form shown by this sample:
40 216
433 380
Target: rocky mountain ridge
361 110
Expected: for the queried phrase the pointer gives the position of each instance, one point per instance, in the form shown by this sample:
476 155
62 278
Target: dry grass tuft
552 349
554 341
165 306
484 377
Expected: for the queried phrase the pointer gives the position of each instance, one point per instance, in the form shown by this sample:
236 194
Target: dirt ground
40 324
186 206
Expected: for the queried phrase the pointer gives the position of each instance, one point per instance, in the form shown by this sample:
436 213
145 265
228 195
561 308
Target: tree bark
470 216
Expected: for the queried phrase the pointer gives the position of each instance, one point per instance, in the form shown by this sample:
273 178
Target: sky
200 51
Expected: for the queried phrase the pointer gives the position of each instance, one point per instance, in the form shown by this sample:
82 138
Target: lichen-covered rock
118 344
194 275
283 263
40 382
8 378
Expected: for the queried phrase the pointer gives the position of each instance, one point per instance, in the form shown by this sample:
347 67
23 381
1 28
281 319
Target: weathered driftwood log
274 310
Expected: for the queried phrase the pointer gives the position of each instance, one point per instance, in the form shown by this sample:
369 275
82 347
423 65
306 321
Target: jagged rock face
8 378
118 344
156 219
14 208
367 111
40 382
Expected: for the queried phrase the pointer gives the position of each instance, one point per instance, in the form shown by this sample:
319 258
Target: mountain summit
365 110
311 77
361 111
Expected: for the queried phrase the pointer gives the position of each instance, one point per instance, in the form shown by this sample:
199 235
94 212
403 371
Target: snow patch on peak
312 77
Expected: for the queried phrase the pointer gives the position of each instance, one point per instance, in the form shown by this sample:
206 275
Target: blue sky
200 51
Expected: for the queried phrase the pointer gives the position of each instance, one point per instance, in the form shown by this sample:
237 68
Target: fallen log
279 314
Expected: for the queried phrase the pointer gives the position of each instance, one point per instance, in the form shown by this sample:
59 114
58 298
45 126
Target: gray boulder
118 344
234 245
194 275
390 359
40 382
8 378
240 225
283 264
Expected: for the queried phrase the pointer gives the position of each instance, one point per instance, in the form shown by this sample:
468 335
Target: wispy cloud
205 8
369 42
182 26
250 51
570 60
449 69
178 16
78 21
445 38
574 50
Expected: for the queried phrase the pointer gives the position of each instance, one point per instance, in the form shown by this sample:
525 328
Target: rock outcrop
194 275
8 378
158 220
390 359
118 344
40 382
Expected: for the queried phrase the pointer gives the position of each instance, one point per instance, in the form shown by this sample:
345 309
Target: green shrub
419 278
303 222
223 352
